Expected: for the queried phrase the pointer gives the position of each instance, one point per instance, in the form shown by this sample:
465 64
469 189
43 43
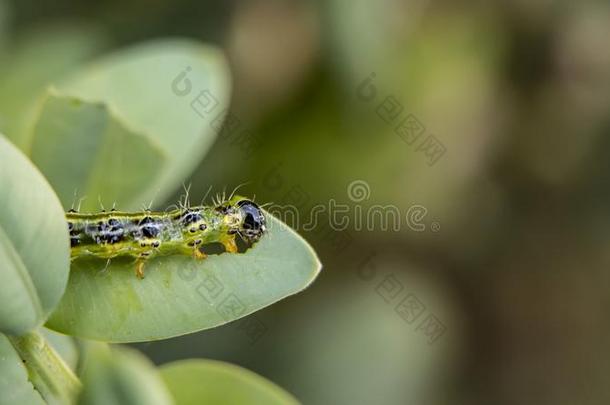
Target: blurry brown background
513 264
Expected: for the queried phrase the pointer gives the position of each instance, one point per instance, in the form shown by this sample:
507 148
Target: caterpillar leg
105 269
230 245
140 266
198 254
192 248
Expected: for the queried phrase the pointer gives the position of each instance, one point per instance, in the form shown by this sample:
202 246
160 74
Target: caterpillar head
252 224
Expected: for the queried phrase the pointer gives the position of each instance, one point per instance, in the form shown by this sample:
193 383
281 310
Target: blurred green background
504 297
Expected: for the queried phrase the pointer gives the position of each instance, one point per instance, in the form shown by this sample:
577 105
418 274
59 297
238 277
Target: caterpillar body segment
183 231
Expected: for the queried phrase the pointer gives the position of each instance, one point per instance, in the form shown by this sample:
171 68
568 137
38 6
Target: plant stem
49 374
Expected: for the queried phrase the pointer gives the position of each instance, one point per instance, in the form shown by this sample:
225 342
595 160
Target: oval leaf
214 382
15 388
181 295
169 90
120 376
83 149
34 245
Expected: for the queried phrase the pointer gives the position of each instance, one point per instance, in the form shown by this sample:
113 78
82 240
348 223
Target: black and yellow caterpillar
184 231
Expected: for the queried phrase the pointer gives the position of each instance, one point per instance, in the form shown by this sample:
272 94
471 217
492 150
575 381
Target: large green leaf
34 245
181 295
214 382
142 87
15 388
122 376
84 150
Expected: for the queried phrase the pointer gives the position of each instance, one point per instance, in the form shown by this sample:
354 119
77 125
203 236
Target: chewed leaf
34 245
214 382
180 294
84 150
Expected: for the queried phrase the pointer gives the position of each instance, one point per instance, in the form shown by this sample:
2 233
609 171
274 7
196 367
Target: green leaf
15 388
214 382
34 245
142 86
83 149
39 57
181 295
119 375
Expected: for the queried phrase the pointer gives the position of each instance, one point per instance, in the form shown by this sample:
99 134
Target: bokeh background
504 296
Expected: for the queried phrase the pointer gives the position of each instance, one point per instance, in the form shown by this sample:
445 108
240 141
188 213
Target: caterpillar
182 231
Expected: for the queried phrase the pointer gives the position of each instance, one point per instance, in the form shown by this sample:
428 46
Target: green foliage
121 131
65 346
194 382
111 161
34 244
15 388
136 86
181 295
50 375
23 77
120 376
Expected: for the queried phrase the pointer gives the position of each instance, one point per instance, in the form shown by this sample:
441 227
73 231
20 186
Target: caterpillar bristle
206 195
99 200
237 188
187 190
172 207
